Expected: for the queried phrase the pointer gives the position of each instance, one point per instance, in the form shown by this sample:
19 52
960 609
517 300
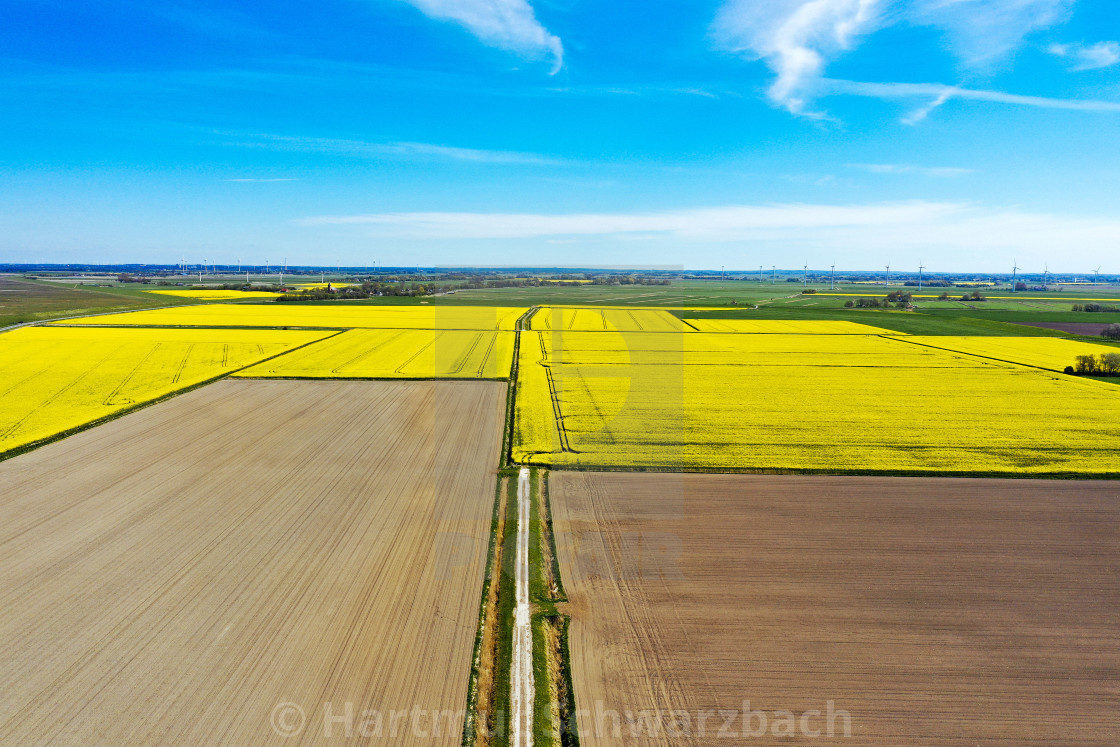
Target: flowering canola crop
584 319
788 327
397 353
331 315
215 295
802 402
1053 353
57 379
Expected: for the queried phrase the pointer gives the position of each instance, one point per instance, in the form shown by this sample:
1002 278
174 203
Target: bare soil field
927 611
1088 329
177 575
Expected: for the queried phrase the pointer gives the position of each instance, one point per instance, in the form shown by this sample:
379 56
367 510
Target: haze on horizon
968 134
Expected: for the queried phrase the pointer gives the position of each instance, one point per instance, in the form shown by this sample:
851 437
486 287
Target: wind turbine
832 280
760 274
805 275
1014 272
920 268
887 279
1097 274
773 274
1045 274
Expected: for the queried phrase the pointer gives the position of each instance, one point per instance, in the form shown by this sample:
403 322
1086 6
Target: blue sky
965 134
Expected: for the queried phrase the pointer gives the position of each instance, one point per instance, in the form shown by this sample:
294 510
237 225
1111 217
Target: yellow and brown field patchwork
56 379
802 402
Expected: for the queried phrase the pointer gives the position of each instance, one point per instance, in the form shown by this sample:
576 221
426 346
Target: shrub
1069 370
1112 332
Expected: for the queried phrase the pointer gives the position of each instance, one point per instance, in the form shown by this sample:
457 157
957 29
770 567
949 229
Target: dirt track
173 576
933 611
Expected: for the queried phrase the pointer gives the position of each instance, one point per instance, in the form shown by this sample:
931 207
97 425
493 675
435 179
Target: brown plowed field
932 611
174 575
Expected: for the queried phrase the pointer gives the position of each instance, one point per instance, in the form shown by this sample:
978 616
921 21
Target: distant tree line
899 299
935 283
973 296
365 290
1106 364
1094 307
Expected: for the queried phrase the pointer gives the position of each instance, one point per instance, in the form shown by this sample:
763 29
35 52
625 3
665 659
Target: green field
24 300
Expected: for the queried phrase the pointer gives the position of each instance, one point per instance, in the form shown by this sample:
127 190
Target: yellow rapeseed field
329 316
605 319
802 402
779 326
56 379
1053 353
397 354
215 295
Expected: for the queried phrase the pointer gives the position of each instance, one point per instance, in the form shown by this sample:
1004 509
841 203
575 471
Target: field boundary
681 469
14 452
487 609
988 357
511 393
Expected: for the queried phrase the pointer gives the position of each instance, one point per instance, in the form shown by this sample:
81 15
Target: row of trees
1106 364
365 290
1111 331
1094 307
898 299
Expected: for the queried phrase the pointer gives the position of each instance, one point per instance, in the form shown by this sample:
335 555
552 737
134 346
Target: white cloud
796 38
1088 57
392 150
957 233
941 94
506 24
710 223
905 168
980 32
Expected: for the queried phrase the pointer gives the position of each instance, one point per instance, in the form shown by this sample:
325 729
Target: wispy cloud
390 150
905 168
941 94
981 32
713 222
796 39
957 231
261 181
506 24
1088 57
